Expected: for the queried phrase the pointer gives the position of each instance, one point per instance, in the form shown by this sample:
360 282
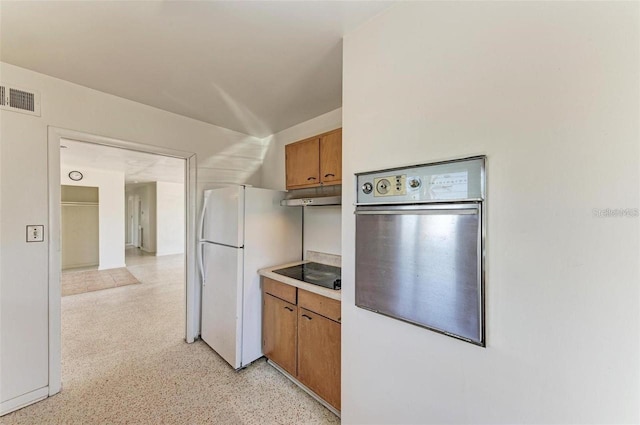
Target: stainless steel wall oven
420 246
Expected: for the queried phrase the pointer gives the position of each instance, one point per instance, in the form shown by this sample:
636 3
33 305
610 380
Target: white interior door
222 301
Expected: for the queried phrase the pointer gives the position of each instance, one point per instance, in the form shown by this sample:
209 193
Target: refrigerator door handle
201 262
202 215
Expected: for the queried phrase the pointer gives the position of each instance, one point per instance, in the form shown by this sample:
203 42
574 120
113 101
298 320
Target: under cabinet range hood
315 196
310 202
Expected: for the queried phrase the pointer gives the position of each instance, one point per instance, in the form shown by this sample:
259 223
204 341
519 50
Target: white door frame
135 225
129 221
55 293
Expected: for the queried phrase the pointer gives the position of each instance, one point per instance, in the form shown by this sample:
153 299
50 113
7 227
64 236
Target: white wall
549 92
322 230
23 266
111 222
322 225
23 153
169 218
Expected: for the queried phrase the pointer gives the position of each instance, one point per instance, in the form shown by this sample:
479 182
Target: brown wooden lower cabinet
279 332
319 355
303 342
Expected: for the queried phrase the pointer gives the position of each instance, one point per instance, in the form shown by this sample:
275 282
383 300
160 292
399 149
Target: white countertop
320 290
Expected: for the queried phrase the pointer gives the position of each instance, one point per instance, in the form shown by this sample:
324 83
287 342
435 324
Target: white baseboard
161 253
23 400
78 266
113 266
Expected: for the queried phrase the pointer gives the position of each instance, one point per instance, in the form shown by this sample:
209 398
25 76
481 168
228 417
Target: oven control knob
367 188
414 183
383 186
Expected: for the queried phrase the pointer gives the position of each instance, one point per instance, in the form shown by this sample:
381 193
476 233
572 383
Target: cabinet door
331 158
279 326
319 355
303 163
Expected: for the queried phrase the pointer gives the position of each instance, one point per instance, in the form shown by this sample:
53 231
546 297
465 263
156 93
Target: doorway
191 307
133 220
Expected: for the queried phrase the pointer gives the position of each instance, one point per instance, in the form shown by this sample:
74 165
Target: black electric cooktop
314 273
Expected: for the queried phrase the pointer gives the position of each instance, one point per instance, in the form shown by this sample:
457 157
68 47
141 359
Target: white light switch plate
35 233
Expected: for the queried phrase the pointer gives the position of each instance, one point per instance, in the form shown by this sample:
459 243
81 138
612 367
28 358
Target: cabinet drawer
279 290
324 306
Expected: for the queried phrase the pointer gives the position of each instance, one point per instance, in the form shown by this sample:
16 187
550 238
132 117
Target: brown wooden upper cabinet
315 161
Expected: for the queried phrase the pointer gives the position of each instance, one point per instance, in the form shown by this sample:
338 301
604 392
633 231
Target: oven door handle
466 211
448 208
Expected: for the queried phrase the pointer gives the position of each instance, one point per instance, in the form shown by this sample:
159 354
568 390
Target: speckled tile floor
125 362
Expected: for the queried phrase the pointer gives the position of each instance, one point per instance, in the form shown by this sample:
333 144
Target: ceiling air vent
19 100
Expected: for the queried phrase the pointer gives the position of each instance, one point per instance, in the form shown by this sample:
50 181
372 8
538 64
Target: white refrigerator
242 229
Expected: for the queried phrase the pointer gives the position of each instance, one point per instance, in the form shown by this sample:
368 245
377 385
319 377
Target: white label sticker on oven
449 186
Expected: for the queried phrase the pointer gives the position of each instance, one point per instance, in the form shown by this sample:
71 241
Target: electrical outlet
35 233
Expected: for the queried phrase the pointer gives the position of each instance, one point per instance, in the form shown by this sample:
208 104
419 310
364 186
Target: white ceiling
254 67
138 167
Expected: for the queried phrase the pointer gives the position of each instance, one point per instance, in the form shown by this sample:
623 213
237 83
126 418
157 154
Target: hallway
124 360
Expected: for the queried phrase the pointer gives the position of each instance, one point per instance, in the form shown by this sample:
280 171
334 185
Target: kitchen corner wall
549 91
24 200
322 225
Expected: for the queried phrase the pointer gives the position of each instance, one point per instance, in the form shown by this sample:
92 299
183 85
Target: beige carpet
125 362
78 282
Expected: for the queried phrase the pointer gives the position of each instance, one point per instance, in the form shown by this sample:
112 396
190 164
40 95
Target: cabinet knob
311 178
330 175
288 308
306 317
